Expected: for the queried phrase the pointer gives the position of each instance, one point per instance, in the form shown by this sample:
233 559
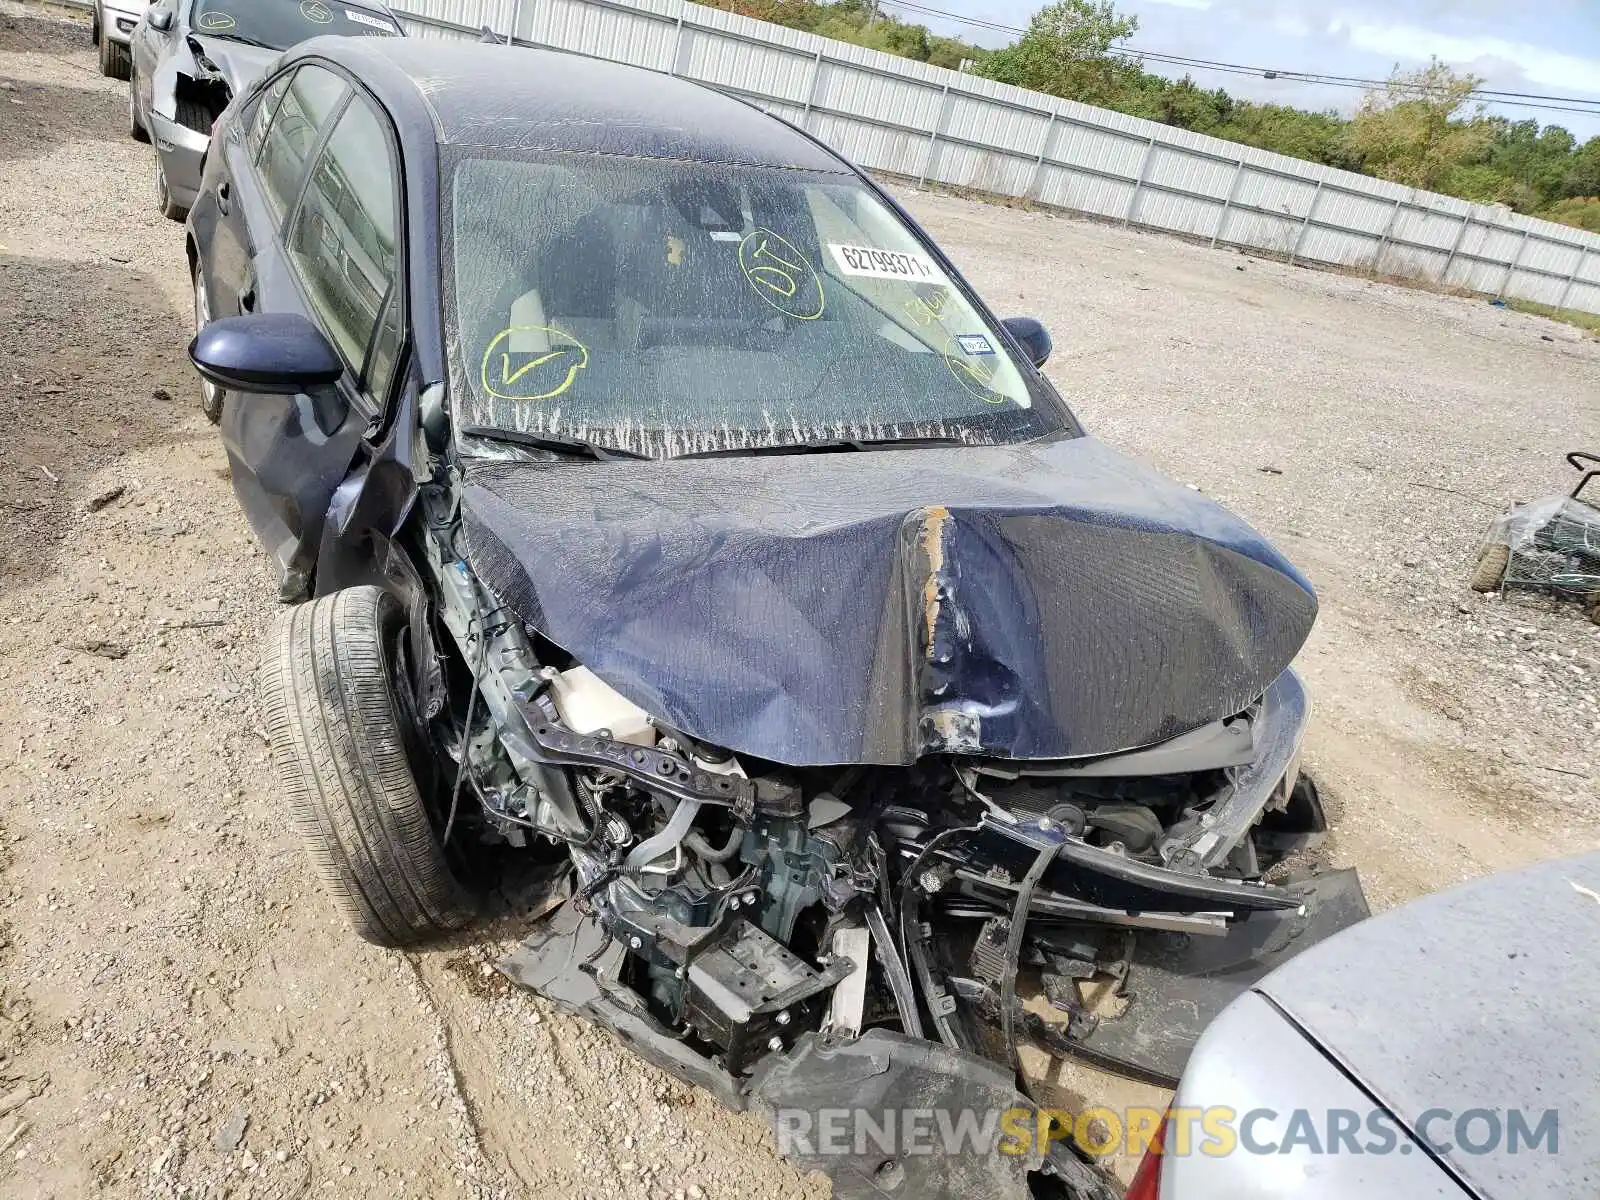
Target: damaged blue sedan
665 518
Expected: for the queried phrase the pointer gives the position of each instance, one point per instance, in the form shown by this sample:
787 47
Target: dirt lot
182 1013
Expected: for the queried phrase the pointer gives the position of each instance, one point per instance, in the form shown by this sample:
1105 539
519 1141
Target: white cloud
1197 5
1549 68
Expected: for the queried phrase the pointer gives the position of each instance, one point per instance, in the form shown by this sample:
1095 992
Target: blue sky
1544 46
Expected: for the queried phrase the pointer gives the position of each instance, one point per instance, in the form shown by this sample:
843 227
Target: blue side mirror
1031 336
276 353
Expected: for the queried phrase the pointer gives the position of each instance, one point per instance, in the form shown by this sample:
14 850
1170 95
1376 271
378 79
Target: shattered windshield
279 24
667 308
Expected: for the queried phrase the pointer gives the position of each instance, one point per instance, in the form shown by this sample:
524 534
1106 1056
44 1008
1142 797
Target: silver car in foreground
191 57
1448 1049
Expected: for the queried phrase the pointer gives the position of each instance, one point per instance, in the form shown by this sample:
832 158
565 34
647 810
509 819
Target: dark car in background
657 502
189 58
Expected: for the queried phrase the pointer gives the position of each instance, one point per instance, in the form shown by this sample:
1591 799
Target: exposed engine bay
763 929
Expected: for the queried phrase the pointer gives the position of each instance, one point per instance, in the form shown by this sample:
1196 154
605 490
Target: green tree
1582 176
1582 211
1313 136
950 52
1420 126
1533 161
1186 105
1066 52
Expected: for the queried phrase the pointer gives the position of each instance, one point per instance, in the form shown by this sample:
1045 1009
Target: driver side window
343 244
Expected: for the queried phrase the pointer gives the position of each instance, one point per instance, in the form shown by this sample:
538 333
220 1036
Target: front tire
136 129
116 60
328 685
165 204
211 396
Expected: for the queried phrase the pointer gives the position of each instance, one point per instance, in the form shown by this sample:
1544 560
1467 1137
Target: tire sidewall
428 775
337 724
211 396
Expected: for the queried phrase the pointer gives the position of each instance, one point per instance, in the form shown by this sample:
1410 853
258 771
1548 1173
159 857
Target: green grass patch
1571 316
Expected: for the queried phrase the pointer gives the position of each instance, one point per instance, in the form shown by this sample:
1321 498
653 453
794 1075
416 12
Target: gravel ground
180 1011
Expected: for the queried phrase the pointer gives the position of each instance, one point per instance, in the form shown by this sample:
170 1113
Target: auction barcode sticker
885 264
361 18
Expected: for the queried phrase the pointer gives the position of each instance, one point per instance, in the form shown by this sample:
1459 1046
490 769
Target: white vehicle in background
110 28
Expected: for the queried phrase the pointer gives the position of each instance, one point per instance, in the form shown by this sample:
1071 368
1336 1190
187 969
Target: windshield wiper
554 442
233 37
830 446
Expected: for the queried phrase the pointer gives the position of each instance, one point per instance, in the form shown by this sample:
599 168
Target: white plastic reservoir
587 704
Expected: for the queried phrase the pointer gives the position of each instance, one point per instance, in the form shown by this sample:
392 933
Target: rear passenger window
342 241
266 105
312 95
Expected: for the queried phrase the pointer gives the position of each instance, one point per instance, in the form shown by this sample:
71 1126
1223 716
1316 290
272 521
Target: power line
1571 104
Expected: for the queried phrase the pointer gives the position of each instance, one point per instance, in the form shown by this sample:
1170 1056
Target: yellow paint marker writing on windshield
780 274
543 376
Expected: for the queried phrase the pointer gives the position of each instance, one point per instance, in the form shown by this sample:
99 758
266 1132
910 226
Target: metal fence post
1144 173
1038 163
1227 205
682 42
1311 211
1516 261
1388 231
811 91
1566 292
677 40
933 137
1461 234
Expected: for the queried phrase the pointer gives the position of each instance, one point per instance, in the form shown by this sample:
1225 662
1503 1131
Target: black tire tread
336 738
191 114
116 60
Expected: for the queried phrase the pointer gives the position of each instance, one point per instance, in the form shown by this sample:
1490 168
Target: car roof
516 99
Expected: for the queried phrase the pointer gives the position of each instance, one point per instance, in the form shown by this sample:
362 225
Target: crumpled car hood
1034 601
240 65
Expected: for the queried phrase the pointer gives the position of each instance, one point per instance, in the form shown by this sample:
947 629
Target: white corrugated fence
906 118
926 123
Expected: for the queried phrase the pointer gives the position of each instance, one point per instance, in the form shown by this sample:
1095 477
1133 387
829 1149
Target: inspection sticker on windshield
974 343
885 264
361 18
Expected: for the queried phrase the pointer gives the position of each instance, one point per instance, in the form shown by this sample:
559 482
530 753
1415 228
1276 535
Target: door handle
224 197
